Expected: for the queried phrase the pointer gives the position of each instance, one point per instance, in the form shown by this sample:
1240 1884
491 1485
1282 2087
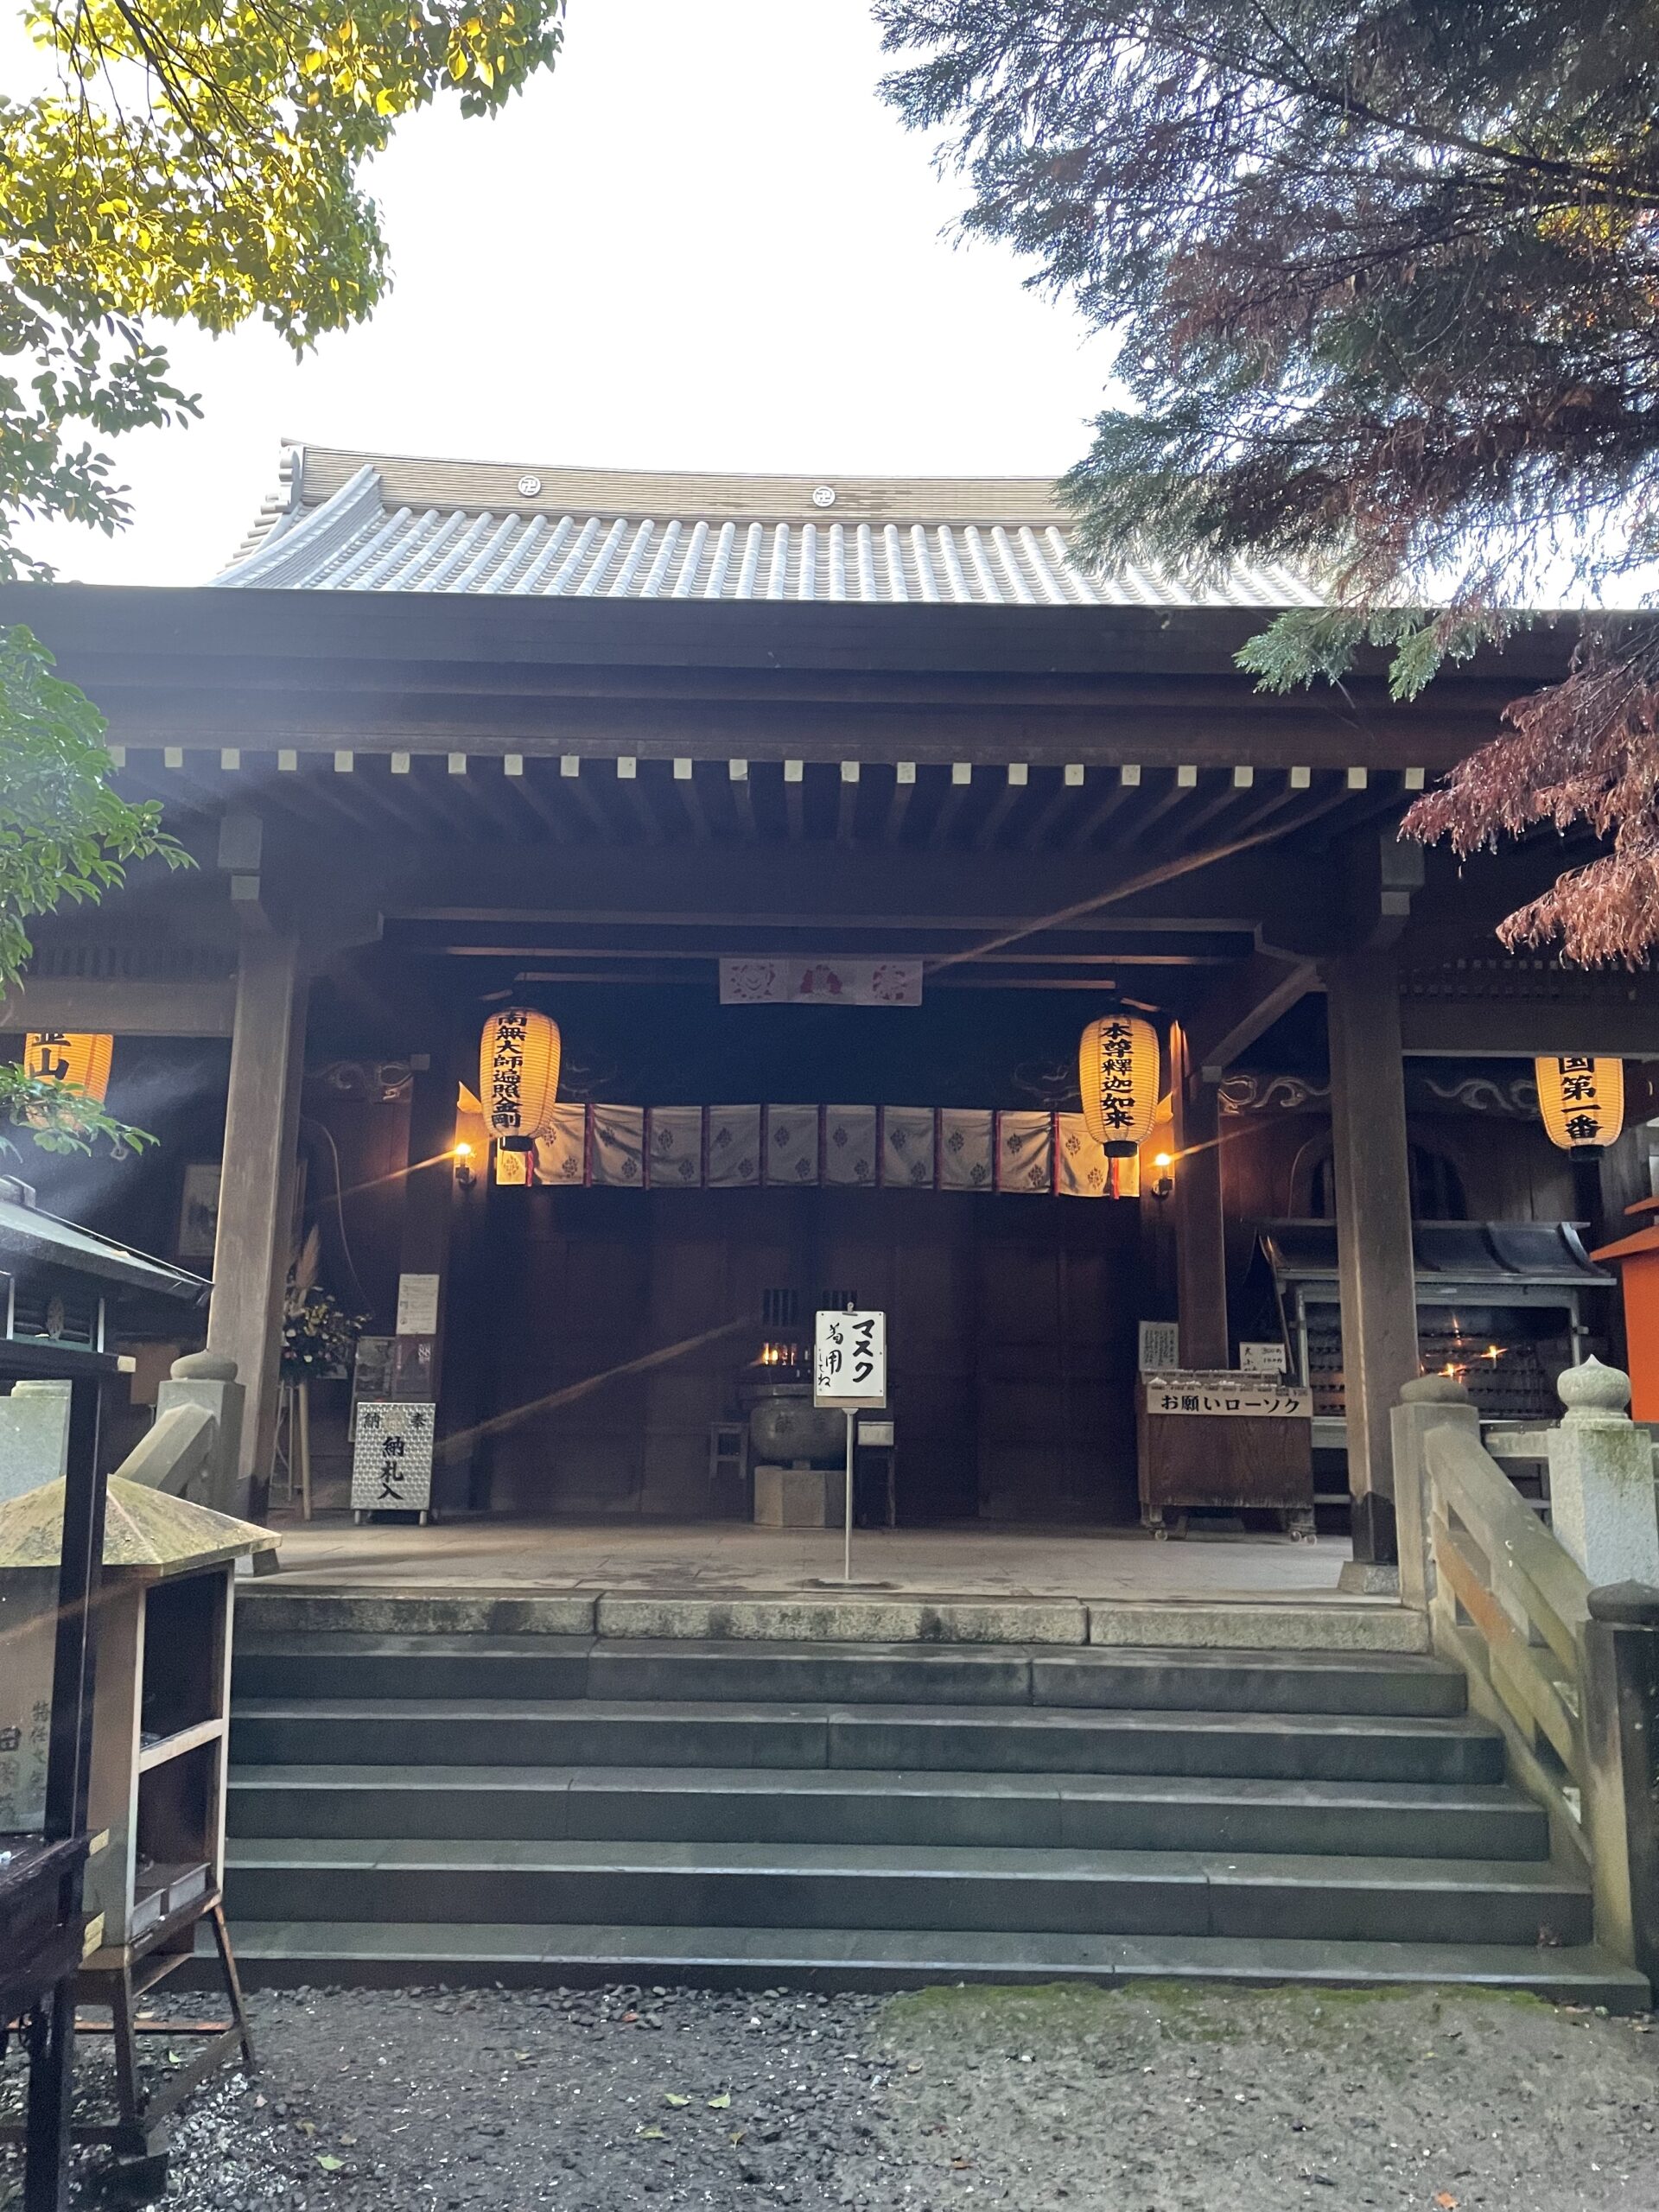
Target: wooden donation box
1215 1439
161 1724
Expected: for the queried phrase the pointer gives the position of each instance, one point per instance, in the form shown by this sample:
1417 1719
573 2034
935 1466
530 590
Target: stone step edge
428 1953
596 1712
925 1864
1337 1625
1359 1794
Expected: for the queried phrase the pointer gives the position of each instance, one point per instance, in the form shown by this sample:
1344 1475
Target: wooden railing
1510 1605
1561 1657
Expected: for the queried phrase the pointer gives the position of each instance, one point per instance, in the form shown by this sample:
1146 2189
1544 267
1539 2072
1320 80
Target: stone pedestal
1601 1491
799 1497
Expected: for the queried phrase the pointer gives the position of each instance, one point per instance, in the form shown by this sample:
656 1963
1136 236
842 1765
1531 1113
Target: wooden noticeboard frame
1215 1439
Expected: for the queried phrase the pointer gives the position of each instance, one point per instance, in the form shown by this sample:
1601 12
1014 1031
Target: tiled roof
354 521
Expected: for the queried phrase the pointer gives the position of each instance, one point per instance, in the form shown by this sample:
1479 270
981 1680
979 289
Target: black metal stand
138 2135
47 2004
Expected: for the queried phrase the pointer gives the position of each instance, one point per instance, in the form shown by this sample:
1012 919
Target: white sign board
1263 1359
417 1306
391 1458
1160 1345
1224 1395
849 1360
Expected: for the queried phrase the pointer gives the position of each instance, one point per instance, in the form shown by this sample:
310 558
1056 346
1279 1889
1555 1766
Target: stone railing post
1601 1495
1621 1727
1431 1402
207 1379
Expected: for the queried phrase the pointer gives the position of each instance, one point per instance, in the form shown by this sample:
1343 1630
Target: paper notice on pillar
561 1146
618 1152
966 1141
391 1458
1084 1170
907 1139
792 1144
674 1147
417 1306
1025 1153
514 1169
849 1138
732 1152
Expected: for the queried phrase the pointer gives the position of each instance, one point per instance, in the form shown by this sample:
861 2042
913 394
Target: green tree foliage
1383 277
199 161
65 834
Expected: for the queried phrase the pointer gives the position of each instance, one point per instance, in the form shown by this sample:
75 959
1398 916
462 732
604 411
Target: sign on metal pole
850 1370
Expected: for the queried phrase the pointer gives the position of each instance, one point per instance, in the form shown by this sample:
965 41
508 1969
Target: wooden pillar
255 1200
1200 1231
1372 1175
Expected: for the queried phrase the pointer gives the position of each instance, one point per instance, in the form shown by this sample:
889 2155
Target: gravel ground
1151 2099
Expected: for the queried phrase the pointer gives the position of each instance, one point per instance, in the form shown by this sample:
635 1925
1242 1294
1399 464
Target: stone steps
939 1886
319 1664
593 1732
386 1954
738 1804
509 1804
290 1605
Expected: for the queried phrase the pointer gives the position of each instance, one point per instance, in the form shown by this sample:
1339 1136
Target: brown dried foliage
1585 750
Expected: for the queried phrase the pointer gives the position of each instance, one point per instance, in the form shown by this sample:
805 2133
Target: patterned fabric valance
872 1148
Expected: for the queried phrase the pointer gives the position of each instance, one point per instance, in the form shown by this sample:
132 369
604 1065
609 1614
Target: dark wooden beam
1243 1007
1002 805
904 790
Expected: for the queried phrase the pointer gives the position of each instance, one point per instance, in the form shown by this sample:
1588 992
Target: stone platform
973 1585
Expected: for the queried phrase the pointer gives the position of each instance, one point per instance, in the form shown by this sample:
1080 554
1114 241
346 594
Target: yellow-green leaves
201 163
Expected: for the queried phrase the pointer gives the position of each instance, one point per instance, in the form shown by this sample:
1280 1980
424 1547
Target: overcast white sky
702 242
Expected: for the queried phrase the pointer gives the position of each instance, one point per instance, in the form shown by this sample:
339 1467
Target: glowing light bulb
1162 1159
463 1150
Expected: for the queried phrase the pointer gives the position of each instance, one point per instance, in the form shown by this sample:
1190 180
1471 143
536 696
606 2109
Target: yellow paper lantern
1117 1071
1582 1099
518 1073
78 1057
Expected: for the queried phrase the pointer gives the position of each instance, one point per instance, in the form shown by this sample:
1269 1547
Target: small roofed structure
161 1725
67 1285
147 1532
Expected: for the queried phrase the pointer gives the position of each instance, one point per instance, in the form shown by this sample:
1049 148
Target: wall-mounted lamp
464 1174
1163 1180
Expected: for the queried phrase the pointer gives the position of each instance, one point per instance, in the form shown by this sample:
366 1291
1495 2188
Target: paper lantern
518 1073
1117 1069
78 1057
1582 1099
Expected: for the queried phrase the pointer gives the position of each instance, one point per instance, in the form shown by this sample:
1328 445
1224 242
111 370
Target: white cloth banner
732 1152
1024 1152
849 1139
561 1146
967 1138
907 1147
792 1144
820 982
618 1152
674 1147
1084 1170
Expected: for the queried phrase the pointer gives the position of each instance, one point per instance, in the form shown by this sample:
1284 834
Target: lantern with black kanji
517 1074
71 1056
1117 1069
1582 1099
